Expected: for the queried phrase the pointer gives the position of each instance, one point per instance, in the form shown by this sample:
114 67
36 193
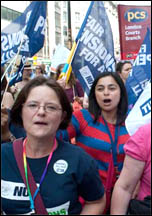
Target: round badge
60 166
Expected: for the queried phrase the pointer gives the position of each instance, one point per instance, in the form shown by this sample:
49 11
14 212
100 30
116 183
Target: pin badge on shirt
60 166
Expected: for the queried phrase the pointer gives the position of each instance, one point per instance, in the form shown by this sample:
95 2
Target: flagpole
69 70
15 59
7 68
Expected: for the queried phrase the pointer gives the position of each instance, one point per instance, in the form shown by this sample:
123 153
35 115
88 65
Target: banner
28 29
60 57
93 50
141 112
133 23
141 71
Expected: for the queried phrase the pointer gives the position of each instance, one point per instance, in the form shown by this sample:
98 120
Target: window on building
65 32
77 16
57 19
3 13
57 38
64 4
57 4
9 14
64 16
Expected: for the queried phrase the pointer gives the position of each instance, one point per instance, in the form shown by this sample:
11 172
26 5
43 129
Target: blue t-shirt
16 130
71 173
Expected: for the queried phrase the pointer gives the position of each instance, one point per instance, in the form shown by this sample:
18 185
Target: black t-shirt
71 173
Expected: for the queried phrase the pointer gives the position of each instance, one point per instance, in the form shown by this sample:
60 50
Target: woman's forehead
42 91
106 80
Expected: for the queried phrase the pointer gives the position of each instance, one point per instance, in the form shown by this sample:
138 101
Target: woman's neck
110 117
37 148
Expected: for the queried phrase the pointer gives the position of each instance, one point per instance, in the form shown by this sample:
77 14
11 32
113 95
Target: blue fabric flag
141 71
28 29
17 76
94 52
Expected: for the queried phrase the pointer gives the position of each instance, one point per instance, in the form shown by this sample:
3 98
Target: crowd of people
99 173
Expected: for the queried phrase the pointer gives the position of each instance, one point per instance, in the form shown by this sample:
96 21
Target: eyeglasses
34 107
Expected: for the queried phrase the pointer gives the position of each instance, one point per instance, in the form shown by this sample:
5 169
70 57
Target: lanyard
42 177
113 143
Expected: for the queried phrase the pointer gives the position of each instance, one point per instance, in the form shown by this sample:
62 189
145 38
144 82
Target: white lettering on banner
140 87
142 48
106 57
94 50
133 38
40 23
101 68
132 33
89 56
28 16
95 26
7 55
146 107
14 38
133 27
9 41
87 36
142 57
87 76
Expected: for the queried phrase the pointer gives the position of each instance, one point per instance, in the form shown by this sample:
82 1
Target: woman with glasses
62 172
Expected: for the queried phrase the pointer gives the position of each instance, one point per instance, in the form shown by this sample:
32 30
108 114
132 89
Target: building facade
58 26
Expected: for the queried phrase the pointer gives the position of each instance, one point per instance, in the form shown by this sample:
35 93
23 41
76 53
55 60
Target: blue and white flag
28 28
141 112
141 71
95 50
17 76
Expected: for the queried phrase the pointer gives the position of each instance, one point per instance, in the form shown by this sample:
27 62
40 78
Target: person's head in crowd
27 108
72 79
40 70
123 68
27 71
108 94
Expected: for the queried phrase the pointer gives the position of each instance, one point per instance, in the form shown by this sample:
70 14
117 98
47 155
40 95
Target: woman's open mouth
107 101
